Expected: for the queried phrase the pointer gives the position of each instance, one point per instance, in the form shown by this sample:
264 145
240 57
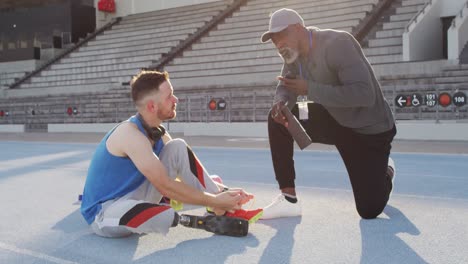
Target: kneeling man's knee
370 210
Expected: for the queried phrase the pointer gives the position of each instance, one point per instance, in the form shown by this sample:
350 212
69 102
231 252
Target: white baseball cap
280 20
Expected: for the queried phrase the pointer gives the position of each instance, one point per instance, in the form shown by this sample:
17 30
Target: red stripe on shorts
145 215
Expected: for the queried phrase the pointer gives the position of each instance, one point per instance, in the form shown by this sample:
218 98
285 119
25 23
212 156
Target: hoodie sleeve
283 94
344 57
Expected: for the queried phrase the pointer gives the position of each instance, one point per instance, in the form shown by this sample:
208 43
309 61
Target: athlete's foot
250 215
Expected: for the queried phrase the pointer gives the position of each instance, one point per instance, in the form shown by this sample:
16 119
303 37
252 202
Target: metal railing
421 12
460 15
248 107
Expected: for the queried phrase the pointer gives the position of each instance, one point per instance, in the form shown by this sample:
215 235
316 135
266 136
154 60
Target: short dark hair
145 82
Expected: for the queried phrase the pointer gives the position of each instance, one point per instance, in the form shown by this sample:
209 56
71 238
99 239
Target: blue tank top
110 176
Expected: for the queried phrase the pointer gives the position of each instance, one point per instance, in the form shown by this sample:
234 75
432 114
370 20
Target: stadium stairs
384 49
212 56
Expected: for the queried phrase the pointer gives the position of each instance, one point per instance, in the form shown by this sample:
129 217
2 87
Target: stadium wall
129 7
458 34
407 130
422 40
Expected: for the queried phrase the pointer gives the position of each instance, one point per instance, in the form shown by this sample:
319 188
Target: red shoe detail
250 215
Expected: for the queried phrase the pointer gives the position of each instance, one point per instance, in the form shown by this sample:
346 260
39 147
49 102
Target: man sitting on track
137 163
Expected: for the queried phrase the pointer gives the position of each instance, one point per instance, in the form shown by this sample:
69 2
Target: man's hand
245 196
297 86
277 113
229 200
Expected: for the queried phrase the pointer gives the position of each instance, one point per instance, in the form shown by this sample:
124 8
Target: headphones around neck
153 133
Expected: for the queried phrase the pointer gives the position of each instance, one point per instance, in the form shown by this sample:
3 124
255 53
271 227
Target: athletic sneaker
391 171
280 207
250 215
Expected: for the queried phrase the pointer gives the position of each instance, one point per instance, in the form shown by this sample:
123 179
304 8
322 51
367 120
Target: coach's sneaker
250 215
281 207
391 171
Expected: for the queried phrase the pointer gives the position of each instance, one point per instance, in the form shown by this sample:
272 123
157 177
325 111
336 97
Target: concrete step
46 80
244 78
131 42
186 24
149 26
142 37
306 13
390 33
413 2
378 59
386 50
121 55
261 29
10 77
291 4
414 9
75 84
198 51
154 47
402 17
227 43
175 18
210 38
70 90
385 42
454 73
423 79
95 69
226 57
394 25
454 79
154 30
308 20
418 85
272 69
11 74
90 81
178 10
208 66
306 8
68 65
456 67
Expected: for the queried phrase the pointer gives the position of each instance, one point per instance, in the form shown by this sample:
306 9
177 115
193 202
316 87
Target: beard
168 114
289 55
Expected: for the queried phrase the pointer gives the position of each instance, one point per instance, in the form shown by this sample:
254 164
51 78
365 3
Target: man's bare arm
138 148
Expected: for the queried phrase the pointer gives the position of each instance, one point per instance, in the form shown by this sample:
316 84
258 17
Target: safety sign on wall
430 99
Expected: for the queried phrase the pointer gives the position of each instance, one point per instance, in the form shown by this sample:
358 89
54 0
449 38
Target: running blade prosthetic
218 224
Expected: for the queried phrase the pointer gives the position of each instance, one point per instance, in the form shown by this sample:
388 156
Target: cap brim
267 35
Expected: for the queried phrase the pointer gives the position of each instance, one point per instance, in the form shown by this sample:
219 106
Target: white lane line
30 161
35 254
